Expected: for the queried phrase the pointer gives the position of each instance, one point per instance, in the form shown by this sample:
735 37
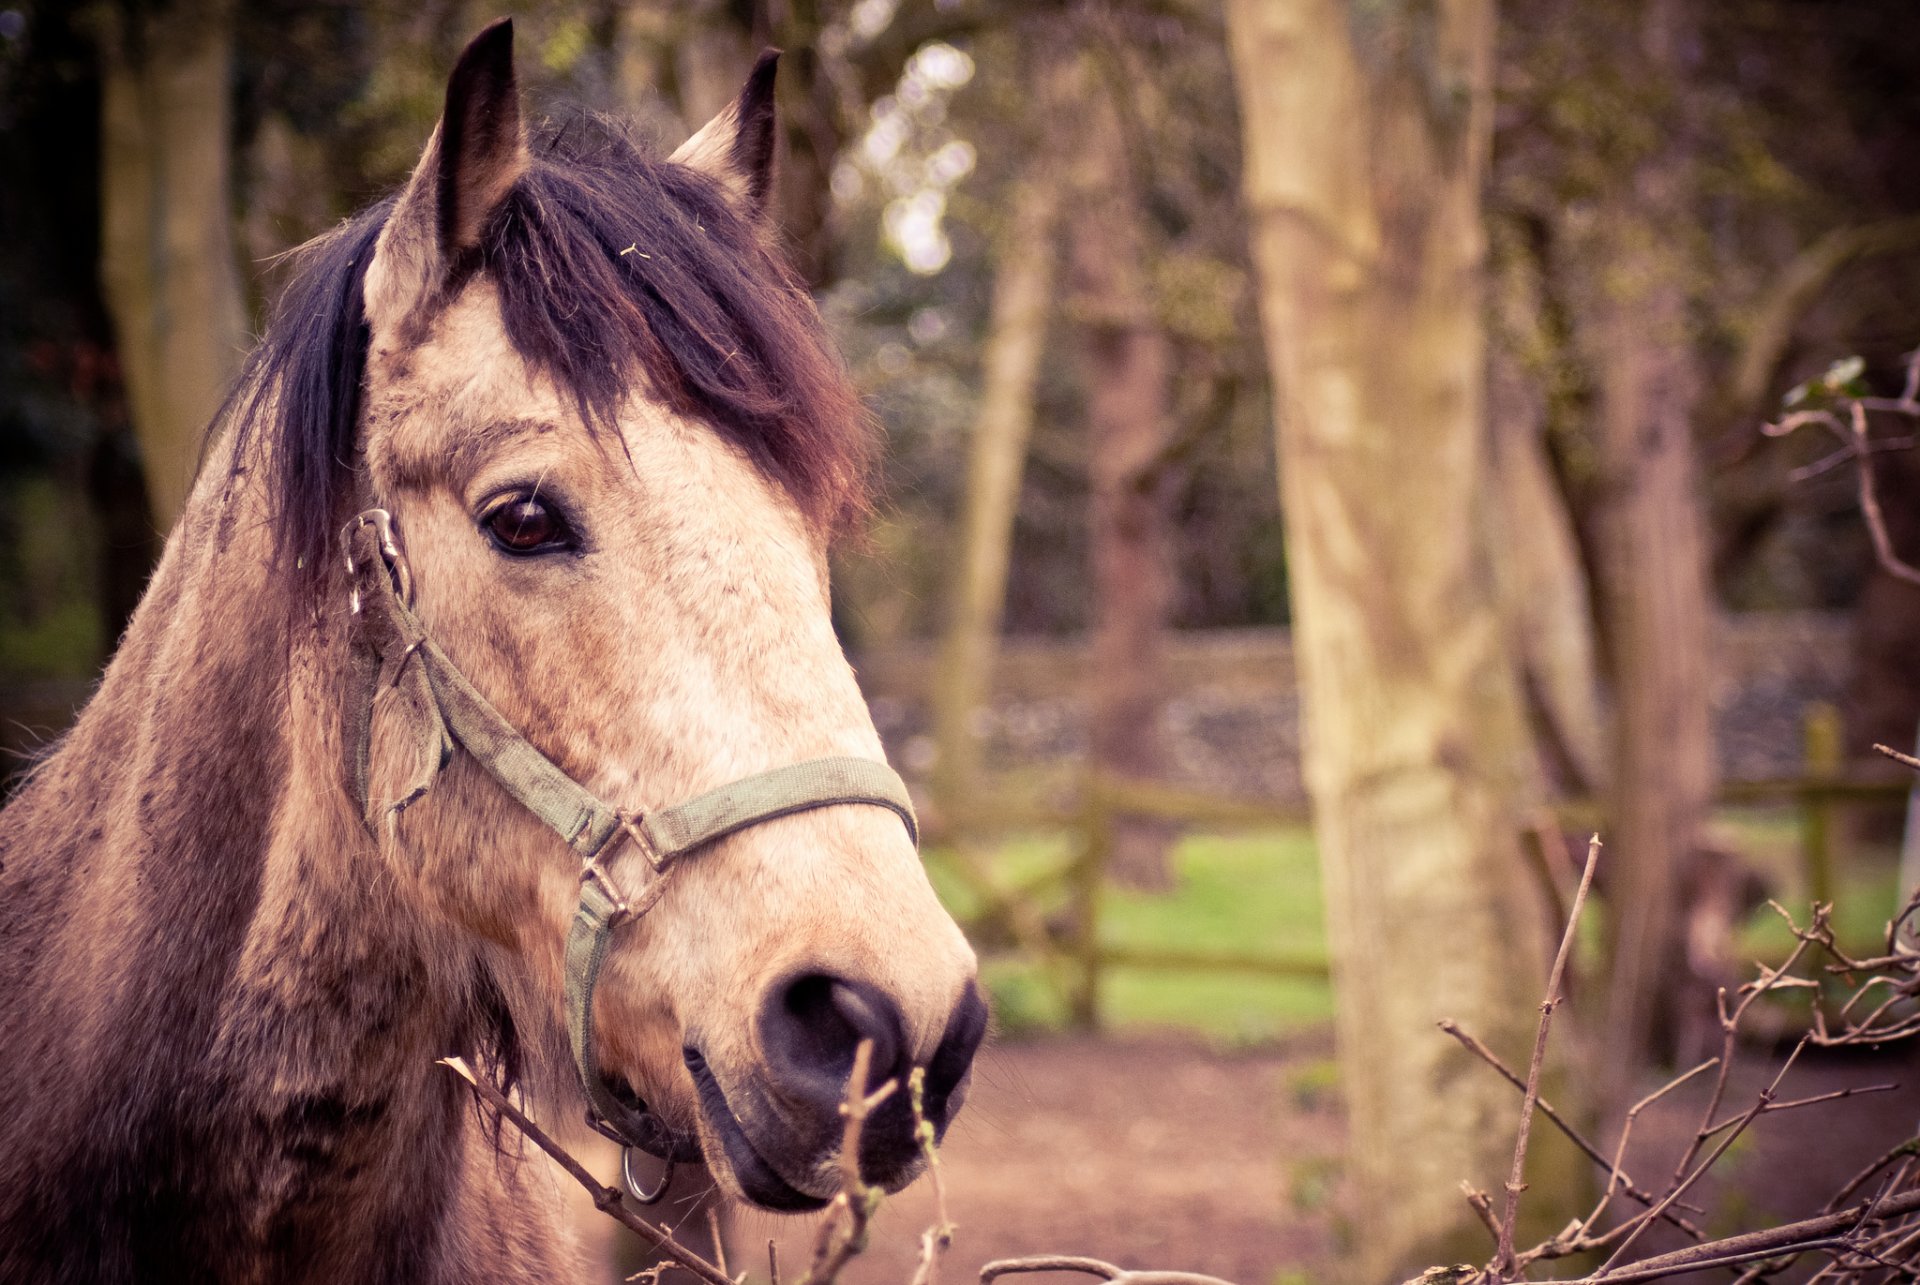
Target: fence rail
1098 801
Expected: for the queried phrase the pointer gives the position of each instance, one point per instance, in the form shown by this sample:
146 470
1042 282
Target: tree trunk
167 253
1650 562
1366 145
1023 280
1653 589
1126 364
1542 579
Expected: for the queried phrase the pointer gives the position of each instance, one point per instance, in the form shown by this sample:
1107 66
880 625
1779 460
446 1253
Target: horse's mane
610 265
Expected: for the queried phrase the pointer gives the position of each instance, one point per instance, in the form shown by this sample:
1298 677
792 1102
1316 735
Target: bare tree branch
606 1199
1503 1261
1092 1267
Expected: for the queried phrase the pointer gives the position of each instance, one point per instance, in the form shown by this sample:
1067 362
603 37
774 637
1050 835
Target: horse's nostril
810 1027
947 1071
813 1025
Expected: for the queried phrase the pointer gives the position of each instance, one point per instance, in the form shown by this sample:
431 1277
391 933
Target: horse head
614 444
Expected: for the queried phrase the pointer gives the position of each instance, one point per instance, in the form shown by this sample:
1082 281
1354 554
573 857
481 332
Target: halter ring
633 1187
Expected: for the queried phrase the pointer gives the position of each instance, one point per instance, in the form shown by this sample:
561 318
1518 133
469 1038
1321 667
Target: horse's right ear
736 146
470 164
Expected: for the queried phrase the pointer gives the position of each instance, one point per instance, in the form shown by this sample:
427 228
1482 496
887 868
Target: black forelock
612 269
295 409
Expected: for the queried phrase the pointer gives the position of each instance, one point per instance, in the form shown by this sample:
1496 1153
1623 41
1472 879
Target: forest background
1449 331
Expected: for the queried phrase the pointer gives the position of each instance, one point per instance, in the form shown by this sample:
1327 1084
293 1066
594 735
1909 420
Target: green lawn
1865 876
1253 892
1259 892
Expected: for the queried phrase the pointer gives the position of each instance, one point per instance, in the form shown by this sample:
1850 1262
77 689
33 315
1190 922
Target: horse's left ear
483 148
736 146
470 164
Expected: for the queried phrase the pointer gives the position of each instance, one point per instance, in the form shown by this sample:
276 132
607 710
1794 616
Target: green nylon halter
391 649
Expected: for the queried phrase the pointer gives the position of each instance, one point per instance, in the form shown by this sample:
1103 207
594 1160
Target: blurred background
1445 334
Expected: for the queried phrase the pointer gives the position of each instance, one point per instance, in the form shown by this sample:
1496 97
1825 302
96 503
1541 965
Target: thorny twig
606 1199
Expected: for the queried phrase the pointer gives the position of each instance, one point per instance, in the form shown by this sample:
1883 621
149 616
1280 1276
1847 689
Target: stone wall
1232 720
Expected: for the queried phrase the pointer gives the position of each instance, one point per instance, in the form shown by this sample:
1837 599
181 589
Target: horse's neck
201 957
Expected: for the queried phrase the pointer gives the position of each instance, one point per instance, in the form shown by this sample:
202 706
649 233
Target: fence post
1820 740
1083 905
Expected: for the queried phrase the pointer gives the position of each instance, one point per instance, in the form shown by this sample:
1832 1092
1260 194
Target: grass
1256 892
1866 881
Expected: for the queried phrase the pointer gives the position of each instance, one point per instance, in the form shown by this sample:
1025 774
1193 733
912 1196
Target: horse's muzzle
782 1131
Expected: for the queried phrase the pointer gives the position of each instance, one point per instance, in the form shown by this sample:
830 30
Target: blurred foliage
1797 111
1790 115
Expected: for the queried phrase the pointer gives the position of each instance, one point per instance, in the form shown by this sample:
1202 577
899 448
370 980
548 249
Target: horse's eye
527 524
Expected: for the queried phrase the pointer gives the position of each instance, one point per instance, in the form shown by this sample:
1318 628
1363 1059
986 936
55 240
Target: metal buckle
388 545
630 822
591 871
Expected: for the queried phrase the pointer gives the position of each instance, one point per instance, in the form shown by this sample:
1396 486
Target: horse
484 703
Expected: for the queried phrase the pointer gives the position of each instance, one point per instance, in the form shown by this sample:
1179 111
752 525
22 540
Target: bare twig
1616 1174
1642 1221
719 1241
1730 1033
1907 759
856 1201
1482 1207
1573 1134
1503 1261
1858 445
935 1239
1911 1147
1851 1091
606 1199
1092 1267
1799 1237
1868 497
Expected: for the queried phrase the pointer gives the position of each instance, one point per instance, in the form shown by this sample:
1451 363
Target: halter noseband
391 649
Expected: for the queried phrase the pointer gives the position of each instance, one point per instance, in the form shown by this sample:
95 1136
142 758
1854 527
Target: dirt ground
1143 1152
1163 1152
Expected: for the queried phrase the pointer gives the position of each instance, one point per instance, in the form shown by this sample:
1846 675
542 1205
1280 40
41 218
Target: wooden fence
1074 952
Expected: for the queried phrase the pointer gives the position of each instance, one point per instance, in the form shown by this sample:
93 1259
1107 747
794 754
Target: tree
1126 360
167 253
1366 131
1023 277
1607 211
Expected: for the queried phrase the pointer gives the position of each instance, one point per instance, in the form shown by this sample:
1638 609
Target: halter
441 708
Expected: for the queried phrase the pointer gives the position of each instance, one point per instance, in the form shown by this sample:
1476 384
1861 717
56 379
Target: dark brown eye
527 524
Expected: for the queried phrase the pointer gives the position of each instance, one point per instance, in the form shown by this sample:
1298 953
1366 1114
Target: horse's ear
483 148
736 146
470 164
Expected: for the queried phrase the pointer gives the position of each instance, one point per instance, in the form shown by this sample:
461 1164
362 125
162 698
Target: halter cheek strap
443 709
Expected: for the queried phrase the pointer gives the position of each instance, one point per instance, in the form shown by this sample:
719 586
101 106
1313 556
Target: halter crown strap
392 647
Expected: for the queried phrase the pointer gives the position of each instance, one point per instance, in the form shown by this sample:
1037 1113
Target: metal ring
633 1188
